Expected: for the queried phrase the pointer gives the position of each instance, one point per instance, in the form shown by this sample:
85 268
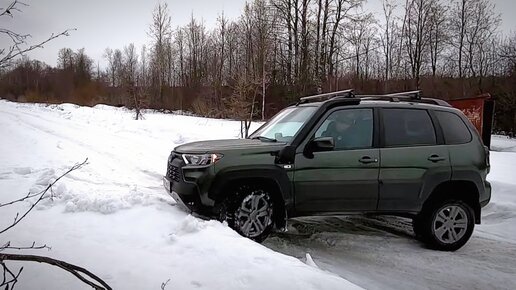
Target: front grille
173 170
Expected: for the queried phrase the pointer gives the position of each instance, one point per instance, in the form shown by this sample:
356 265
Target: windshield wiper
263 138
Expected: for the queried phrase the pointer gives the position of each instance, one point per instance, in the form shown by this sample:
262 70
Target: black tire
416 226
445 225
237 211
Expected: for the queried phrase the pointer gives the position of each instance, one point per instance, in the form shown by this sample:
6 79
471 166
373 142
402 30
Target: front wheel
445 225
249 212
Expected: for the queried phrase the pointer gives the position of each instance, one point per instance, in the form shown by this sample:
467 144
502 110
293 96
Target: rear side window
454 129
408 127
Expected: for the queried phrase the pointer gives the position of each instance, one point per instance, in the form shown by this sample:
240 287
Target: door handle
367 160
436 158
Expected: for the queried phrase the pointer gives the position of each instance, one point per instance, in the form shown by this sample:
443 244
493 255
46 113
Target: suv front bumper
188 201
186 193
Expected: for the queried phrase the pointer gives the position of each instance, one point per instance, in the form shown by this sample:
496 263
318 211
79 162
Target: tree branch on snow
9 277
7 246
40 195
80 273
9 281
164 284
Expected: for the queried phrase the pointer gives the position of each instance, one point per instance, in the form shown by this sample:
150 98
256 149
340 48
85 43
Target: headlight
201 159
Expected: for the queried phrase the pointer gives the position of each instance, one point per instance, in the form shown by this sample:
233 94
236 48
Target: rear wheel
249 211
445 225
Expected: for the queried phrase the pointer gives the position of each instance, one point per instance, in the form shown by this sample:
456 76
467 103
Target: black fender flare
274 173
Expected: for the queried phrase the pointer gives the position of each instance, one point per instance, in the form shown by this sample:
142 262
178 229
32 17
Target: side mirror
318 145
286 155
322 144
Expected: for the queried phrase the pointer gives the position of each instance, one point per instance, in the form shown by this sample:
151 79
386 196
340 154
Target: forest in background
280 50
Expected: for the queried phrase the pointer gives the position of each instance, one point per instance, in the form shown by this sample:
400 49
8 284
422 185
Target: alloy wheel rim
254 215
450 224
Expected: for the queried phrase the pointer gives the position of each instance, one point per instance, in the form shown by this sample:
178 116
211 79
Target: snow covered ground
113 217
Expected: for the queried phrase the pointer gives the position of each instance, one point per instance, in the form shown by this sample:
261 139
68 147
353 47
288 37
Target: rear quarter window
454 129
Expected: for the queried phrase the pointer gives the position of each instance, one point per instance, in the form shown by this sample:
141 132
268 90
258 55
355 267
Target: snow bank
503 143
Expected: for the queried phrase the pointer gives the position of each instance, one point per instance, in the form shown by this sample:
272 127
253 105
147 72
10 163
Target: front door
346 178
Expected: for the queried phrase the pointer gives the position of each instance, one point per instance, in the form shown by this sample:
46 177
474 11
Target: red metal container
480 111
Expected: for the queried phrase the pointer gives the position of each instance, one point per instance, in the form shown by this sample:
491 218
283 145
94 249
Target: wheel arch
272 178
463 190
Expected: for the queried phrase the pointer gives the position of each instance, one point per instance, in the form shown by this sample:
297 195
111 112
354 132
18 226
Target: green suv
340 153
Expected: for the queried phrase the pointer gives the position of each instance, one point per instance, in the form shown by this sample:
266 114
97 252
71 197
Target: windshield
285 125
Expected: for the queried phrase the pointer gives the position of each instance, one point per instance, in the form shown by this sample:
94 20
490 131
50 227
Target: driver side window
349 128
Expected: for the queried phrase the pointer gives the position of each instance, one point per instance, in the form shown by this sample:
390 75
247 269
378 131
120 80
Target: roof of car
377 103
348 97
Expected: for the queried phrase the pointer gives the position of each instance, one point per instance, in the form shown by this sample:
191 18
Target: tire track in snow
37 121
381 253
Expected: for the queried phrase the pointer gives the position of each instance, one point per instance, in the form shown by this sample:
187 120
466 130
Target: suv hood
216 146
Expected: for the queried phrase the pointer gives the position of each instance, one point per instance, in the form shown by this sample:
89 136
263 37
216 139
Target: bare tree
359 34
417 35
263 24
388 37
65 59
242 103
220 54
438 33
196 40
111 68
160 31
83 66
130 64
459 21
118 60
473 23
143 68
342 8
508 53
483 22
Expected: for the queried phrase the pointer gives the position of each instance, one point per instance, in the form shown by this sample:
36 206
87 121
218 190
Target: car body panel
336 181
407 177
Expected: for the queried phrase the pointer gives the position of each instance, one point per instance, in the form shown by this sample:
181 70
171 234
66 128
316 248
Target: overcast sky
115 23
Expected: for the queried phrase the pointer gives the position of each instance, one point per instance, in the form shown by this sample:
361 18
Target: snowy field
113 217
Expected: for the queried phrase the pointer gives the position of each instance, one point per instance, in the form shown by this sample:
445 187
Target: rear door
414 158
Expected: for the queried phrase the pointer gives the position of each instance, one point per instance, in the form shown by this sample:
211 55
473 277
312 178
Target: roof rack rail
410 96
413 95
345 93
